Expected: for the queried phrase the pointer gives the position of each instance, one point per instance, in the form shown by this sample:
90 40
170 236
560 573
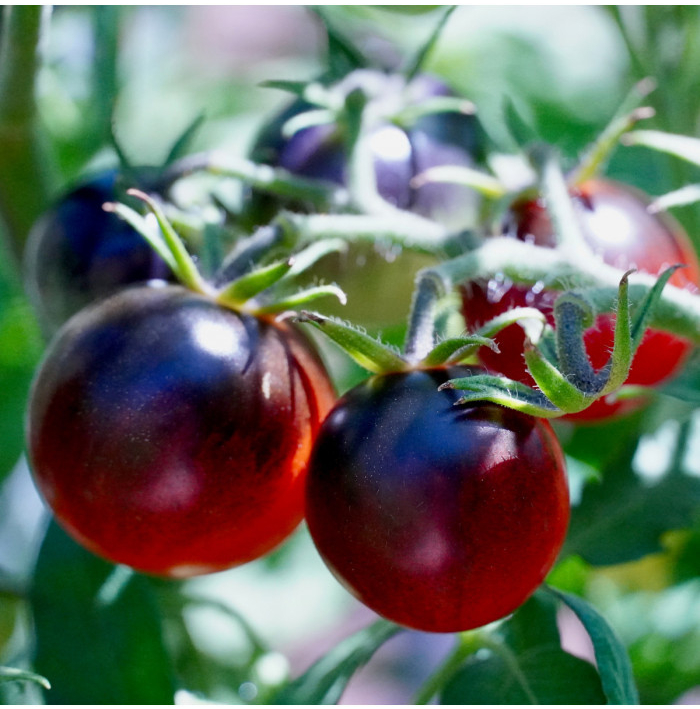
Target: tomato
173 435
438 517
78 253
617 226
399 153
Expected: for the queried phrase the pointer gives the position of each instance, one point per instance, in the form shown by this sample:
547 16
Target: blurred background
232 637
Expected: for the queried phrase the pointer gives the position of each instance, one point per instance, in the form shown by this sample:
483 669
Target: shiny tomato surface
173 435
619 229
438 517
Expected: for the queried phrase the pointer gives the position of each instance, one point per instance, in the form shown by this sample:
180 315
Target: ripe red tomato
617 226
439 517
173 435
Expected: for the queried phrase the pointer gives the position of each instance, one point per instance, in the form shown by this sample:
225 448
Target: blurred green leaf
325 681
611 656
20 346
98 631
623 517
527 667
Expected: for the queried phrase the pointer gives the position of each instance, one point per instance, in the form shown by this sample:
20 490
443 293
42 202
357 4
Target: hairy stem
678 311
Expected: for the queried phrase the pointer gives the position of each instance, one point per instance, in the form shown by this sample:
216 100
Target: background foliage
104 635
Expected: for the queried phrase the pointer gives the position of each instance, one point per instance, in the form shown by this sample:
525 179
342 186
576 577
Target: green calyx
380 358
256 288
557 360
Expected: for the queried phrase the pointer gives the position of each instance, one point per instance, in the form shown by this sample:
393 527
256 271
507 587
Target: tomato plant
172 435
439 517
174 431
618 228
79 253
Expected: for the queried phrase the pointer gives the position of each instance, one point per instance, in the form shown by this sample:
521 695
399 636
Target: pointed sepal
456 350
303 298
503 391
247 286
369 353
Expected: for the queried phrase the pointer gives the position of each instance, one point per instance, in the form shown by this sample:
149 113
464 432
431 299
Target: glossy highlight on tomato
173 435
399 153
618 228
78 253
438 517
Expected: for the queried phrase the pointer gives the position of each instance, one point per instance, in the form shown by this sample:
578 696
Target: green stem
25 169
404 229
420 338
677 312
323 196
467 644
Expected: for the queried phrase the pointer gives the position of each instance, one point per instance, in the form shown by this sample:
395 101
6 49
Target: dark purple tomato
618 227
78 253
438 517
173 435
399 153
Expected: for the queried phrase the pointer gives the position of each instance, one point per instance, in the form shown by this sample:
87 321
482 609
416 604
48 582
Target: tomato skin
78 253
173 435
438 517
399 154
617 226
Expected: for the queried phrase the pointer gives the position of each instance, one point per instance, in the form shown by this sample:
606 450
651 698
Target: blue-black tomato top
399 153
438 517
78 253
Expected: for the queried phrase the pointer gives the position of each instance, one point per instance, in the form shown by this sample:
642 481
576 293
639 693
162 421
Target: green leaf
521 132
644 312
622 518
409 115
325 681
99 638
503 391
416 65
343 56
12 674
181 145
687 195
250 284
456 349
598 154
611 656
148 230
525 665
680 146
305 259
184 266
365 350
482 182
625 341
297 88
554 385
303 298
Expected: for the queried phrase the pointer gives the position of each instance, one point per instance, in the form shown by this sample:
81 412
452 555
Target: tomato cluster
173 432
616 224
